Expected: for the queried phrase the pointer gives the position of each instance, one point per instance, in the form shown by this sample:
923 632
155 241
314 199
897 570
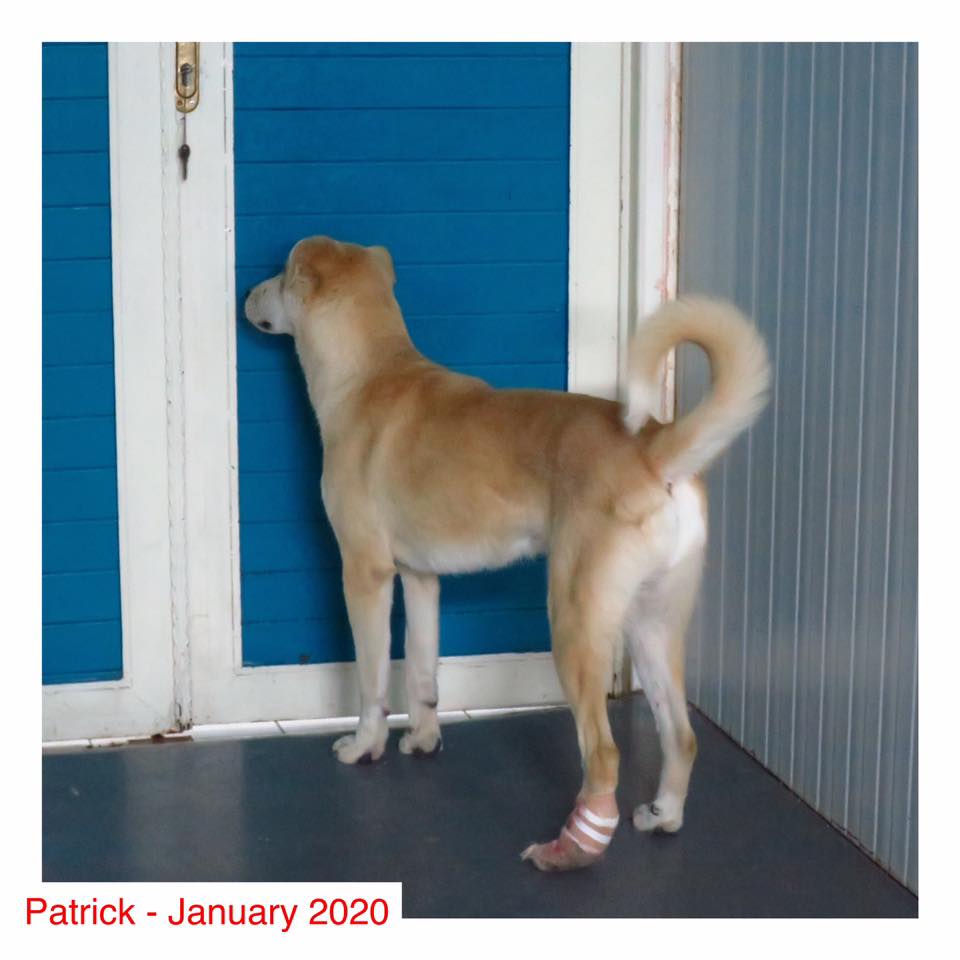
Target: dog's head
320 275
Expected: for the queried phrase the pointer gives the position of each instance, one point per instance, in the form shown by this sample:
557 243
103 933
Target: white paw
427 740
354 748
658 816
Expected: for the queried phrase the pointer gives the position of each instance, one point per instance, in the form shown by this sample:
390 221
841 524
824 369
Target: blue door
81 580
455 157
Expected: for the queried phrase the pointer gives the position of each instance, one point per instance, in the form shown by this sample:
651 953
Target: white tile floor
275 728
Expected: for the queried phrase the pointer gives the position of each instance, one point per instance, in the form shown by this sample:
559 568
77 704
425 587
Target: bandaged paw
582 841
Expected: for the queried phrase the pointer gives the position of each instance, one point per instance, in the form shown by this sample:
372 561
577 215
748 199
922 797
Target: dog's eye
266 325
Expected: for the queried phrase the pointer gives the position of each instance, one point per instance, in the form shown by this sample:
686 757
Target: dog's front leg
421 600
368 589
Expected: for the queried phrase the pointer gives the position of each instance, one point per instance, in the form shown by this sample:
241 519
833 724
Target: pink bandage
589 831
582 841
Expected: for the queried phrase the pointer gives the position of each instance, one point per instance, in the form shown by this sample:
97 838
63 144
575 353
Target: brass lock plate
187 77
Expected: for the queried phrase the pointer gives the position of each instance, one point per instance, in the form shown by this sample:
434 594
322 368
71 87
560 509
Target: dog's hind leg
583 662
421 600
586 614
368 589
655 632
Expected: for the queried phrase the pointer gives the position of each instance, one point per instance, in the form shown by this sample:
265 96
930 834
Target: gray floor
451 829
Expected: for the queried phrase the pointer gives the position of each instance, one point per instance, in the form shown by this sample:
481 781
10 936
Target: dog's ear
307 268
382 256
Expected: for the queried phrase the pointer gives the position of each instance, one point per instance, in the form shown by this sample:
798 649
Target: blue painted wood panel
455 157
382 134
81 580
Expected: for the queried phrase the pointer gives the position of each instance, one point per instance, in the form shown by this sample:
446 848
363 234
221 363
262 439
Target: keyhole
186 77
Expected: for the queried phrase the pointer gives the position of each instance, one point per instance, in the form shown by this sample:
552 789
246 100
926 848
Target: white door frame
624 191
180 285
624 214
142 702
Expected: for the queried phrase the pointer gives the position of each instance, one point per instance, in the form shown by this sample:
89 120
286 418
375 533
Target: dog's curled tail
740 375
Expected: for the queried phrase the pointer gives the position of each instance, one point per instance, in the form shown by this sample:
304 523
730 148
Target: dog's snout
263 307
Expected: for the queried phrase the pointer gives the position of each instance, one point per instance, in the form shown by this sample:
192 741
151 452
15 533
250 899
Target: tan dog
427 471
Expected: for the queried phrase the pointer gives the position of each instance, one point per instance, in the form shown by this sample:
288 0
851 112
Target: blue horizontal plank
84 676
288 546
377 83
77 597
410 187
381 135
461 634
79 443
77 285
494 631
480 339
291 595
458 289
76 232
272 395
78 392
265 241
483 288
82 652
76 179
521 586
80 495
437 49
280 446
75 125
276 497
74 70
75 547
303 641
72 338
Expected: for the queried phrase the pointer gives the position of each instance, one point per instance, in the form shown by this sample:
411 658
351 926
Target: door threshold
279 728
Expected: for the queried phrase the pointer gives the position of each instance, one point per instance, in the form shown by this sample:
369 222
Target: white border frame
624 193
656 203
142 702
596 193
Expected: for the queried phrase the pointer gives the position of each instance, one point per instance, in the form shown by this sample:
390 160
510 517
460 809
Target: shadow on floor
451 829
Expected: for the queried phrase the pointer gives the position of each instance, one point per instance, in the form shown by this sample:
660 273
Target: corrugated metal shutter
799 202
